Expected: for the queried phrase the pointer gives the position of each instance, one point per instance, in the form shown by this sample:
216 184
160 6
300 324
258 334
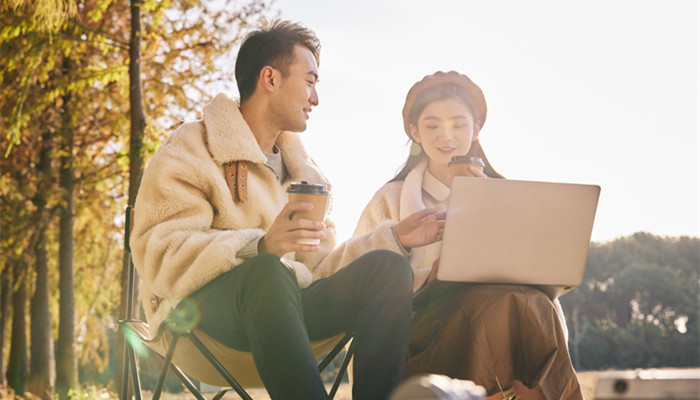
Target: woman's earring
416 148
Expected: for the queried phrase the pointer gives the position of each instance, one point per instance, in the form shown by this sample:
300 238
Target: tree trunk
17 366
40 371
576 339
138 125
66 366
138 118
5 299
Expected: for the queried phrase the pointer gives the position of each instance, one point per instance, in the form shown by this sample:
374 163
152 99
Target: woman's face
445 128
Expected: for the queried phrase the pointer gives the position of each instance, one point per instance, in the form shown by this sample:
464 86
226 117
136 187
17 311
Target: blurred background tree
638 305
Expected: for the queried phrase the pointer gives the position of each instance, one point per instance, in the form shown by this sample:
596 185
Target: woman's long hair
435 93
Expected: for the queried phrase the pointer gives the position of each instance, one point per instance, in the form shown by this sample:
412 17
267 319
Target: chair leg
166 366
334 352
342 369
135 379
220 394
219 367
124 394
187 382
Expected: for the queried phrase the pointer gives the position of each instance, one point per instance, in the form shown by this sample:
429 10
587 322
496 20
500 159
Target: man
230 246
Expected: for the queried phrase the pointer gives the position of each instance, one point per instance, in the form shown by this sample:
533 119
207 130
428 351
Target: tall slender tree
41 351
66 365
15 263
136 111
5 299
138 126
17 366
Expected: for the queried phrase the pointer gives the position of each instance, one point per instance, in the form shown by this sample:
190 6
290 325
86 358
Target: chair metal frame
130 372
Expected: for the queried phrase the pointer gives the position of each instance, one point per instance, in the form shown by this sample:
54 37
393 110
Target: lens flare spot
184 317
135 342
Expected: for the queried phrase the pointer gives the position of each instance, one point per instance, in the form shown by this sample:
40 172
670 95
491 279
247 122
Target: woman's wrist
405 249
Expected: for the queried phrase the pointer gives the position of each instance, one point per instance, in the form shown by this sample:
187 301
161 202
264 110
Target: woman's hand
477 172
421 228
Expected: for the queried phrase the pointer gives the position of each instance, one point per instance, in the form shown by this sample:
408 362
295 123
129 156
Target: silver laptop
518 232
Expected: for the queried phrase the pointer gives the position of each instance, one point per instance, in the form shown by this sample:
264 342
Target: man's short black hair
273 44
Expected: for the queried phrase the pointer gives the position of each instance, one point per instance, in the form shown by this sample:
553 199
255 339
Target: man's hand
421 228
282 236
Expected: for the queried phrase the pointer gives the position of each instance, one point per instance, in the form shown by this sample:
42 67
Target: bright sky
586 91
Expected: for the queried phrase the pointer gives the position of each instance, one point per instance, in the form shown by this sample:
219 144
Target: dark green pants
259 307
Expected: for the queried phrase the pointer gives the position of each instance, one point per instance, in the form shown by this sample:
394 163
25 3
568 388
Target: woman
499 336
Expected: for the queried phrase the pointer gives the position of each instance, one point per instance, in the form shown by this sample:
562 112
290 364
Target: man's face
297 92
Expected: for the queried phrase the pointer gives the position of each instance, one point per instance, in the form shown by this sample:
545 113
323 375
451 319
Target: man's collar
229 137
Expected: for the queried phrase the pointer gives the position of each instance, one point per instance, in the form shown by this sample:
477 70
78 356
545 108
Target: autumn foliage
65 134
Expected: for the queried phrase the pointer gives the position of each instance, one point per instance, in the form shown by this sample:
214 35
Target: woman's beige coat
396 201
188 230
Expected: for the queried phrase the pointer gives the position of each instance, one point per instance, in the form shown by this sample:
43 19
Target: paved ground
588 381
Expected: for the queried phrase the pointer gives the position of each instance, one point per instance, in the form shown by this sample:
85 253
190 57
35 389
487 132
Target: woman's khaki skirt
492 335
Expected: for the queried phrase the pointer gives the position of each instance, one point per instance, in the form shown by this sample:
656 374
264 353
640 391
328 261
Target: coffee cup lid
467 160
305 187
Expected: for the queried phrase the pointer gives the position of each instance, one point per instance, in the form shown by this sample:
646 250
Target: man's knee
267 271
269 289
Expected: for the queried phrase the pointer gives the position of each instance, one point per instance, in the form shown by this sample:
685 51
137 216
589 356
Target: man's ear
269 78
414 133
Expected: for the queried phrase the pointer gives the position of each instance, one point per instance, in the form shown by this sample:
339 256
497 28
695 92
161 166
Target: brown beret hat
477 101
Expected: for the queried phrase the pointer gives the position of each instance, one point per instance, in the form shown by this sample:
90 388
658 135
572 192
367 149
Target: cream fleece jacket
187 228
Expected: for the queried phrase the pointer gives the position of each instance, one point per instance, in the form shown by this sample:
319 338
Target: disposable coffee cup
459 165
310 193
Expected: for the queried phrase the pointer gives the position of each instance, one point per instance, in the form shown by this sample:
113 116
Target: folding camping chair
187 351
